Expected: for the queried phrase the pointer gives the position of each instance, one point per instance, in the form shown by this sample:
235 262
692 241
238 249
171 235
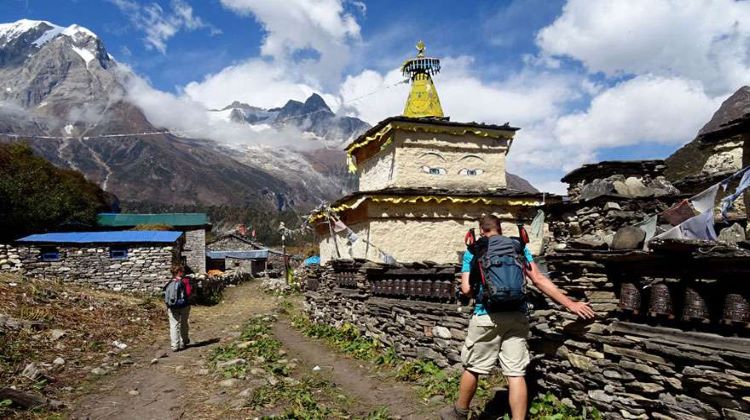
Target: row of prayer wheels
443 290
347 279
696 302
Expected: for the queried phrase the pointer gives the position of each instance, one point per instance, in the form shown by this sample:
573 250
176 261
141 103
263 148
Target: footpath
165 385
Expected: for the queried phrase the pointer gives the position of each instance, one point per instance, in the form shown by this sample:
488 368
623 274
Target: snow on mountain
60 89
313 117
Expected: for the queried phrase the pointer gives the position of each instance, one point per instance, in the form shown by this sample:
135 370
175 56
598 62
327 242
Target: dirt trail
371 390
173 387
181 385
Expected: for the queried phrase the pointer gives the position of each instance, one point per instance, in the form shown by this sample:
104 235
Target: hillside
65 94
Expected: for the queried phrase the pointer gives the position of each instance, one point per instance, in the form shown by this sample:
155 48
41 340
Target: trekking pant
178 327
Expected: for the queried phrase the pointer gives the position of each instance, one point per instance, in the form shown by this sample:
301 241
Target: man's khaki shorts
500 335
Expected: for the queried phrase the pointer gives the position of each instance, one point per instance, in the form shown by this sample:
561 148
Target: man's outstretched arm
546 286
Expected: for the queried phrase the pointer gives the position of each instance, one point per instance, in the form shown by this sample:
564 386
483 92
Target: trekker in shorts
501 335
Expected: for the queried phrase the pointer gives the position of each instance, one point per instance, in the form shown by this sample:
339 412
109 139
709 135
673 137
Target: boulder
587 242
628 237
732 234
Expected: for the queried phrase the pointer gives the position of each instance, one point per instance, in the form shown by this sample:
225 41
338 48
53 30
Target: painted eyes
434 171
442 171
471 172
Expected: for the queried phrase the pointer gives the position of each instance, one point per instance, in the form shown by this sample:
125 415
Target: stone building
118 260
235 252
194 225
423 182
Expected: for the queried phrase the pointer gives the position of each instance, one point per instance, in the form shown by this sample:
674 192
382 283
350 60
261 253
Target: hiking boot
452 412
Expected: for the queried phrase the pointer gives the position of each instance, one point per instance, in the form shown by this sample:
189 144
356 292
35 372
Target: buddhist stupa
423 182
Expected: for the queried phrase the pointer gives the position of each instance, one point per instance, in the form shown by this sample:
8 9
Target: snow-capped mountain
312 117
61 91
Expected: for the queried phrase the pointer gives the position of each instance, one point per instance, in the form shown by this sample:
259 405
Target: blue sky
584 80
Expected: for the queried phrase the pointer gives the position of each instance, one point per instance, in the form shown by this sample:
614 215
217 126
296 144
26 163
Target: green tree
36 196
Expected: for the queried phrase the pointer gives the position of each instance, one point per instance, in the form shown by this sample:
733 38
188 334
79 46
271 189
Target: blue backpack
175 294
499 266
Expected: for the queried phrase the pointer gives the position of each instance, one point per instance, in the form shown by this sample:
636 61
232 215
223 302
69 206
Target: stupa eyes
434 170
470 172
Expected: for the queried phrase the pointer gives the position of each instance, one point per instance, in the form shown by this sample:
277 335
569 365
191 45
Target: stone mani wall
628 366
626 369
428 328
147 268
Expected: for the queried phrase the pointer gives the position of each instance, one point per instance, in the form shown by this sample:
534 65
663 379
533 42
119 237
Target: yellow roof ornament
423 98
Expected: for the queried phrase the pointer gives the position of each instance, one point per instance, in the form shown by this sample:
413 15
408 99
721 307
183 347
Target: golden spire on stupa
423 99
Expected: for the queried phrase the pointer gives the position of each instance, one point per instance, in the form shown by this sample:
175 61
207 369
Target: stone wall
10 259
416 327
628 365
195 250
147 268
662 345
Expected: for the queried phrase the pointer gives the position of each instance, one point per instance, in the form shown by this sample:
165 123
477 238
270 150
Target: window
118 253
49 254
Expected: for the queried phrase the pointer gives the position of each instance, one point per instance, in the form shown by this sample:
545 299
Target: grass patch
255 345
549 407
300 400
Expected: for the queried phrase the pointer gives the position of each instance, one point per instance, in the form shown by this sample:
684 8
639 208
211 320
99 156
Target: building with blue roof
118 260
194 225
236 252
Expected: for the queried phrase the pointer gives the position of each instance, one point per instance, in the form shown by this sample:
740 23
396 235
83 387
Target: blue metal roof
257 254
123 236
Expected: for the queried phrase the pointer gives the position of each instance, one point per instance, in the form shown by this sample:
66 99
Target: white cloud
294 27
523 98
641 110
255 82
160 25
189 118
698 40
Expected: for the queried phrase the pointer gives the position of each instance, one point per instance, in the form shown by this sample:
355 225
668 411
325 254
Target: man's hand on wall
581 309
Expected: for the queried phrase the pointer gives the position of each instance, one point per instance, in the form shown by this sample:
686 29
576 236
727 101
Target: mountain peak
735 106
315 102
43 32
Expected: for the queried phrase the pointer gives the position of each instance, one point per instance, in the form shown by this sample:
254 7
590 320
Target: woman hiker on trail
176 297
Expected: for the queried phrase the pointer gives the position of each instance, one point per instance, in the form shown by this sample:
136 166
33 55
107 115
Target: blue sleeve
527 255
466 263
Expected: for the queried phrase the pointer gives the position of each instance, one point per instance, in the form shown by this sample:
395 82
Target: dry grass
92 320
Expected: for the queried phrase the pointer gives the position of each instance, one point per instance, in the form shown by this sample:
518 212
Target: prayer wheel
736 308
427 289
418 286
435 289
695 307
402 287
445 290
660 303
388 289
630 298
410 288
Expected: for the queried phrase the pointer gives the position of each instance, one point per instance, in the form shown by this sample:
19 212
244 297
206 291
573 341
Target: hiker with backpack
176 297
493 272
